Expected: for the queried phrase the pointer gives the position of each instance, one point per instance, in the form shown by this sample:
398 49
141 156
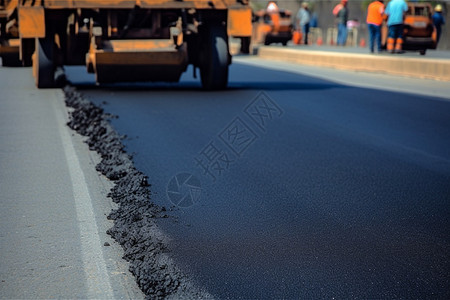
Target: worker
438 21
272 7
303 19
341 13
375 13
395 12
273 15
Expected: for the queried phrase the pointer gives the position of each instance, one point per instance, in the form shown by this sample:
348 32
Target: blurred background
357 11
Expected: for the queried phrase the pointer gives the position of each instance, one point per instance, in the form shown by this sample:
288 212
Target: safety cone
362 43
297 37
319 41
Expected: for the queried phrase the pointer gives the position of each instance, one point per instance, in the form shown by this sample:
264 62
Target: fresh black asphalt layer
344 195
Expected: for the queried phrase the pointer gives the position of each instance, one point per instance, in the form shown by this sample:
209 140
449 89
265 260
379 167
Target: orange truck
123 40
419 33
272 25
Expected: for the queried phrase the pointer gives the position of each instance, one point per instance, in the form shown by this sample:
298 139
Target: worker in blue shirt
438 21
395 12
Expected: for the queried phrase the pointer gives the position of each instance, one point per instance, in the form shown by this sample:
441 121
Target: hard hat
438 8
272 7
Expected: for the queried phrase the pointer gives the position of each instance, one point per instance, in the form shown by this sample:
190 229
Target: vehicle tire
27 49
43 65
284 43
11 60
423 51
215 58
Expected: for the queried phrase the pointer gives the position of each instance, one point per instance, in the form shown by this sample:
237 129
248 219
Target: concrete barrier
438 69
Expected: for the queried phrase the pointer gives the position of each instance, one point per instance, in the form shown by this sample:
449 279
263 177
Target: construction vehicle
419 33
124 40
272 25
9 42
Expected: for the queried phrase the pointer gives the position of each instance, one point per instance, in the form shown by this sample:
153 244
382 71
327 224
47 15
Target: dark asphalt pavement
309 188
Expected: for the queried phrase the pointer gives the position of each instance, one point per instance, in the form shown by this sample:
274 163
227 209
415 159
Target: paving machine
123 40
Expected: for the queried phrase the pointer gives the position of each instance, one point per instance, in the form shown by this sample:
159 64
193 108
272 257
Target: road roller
123 40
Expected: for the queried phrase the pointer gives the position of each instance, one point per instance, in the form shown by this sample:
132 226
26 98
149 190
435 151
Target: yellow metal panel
31 22
200 4
155 65
240 21
8 9
139 52
139 45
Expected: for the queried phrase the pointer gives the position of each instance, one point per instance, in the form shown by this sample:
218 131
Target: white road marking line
97 277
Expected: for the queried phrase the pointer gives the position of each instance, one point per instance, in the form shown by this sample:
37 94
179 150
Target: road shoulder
45 249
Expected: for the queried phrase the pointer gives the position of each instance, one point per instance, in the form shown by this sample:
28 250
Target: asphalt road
53 203
297 182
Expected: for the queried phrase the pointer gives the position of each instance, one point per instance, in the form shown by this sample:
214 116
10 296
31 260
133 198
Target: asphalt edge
145 247
437 69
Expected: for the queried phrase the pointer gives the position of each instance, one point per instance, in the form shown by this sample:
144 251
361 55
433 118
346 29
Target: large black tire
214 58
43 65
27 49
11 60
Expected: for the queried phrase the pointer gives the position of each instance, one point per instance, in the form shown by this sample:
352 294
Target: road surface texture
53 241
296 182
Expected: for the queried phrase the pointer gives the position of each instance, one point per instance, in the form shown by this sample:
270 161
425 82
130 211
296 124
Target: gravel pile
135 229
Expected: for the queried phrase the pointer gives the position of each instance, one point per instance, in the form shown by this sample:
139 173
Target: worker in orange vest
438 21
375 13
274 12
340 11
